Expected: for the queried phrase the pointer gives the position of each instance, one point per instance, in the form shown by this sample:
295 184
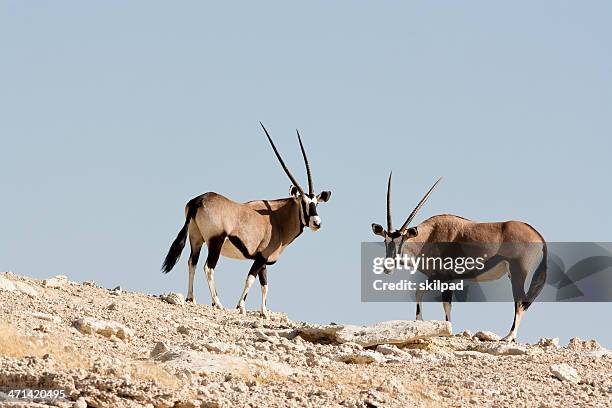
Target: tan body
513 249
266 227
257 230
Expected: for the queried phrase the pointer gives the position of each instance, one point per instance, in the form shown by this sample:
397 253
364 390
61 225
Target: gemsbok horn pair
257 230
516 248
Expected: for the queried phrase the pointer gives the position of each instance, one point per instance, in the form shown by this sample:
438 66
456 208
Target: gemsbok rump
257 230
514 249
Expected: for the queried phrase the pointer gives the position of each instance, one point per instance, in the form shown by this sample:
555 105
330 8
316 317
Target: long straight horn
418 207
389 222
310 184
280 159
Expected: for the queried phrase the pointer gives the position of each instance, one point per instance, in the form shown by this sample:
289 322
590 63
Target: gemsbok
256 230
513 248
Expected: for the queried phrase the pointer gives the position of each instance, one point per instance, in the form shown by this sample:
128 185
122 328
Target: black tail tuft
175 249
179 243
538 280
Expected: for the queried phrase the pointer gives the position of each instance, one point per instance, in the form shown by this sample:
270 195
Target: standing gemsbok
257 230
513 248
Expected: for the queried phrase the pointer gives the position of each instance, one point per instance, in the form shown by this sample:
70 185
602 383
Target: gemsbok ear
324 196
378 230
412 232
294 192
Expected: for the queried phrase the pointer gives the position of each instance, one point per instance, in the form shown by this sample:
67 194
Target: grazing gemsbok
257 230
513 248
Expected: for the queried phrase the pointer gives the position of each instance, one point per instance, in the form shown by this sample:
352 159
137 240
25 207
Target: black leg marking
418 309
240 246
263 276
214 251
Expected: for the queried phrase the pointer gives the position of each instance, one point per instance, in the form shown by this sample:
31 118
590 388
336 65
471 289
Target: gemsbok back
514 249
257 230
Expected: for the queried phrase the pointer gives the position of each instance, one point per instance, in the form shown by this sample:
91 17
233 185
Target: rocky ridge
113 348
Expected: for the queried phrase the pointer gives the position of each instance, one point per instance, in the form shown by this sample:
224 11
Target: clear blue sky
114 114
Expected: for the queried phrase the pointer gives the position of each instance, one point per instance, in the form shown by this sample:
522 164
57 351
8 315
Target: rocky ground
111 348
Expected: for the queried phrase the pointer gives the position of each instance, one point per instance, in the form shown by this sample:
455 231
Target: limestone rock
361 357
565 372
576 343
57 281
319 333
159 348
501 349
106 328
487 336
548 342
173 298
47 317
17 286
393 332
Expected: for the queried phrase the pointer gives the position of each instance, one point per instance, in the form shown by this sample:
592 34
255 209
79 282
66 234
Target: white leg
264 294
518 314
247 286
192 269
210 277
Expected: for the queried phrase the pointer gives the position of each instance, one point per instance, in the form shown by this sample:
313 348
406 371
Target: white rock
173 298
391 350
319 333
361 357
548 342
565 372
57 281
47 317
487 336
220 347
393 332
80 403
473 354
17 286
501 349
106 328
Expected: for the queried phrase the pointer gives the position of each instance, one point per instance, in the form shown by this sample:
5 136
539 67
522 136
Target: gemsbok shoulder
256 230
514 248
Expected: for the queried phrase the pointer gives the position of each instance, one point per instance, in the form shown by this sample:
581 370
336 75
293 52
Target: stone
487 336
80 403
565 372
393 332
57 281
391 350
548 342
576 343
501 349
159 348
319 333
473 354
106 328
220 347
90 283
47 317
182 330
17 286
173 298
361 357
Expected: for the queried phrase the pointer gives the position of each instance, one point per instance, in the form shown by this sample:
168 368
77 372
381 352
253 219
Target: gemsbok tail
179 242
538 280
